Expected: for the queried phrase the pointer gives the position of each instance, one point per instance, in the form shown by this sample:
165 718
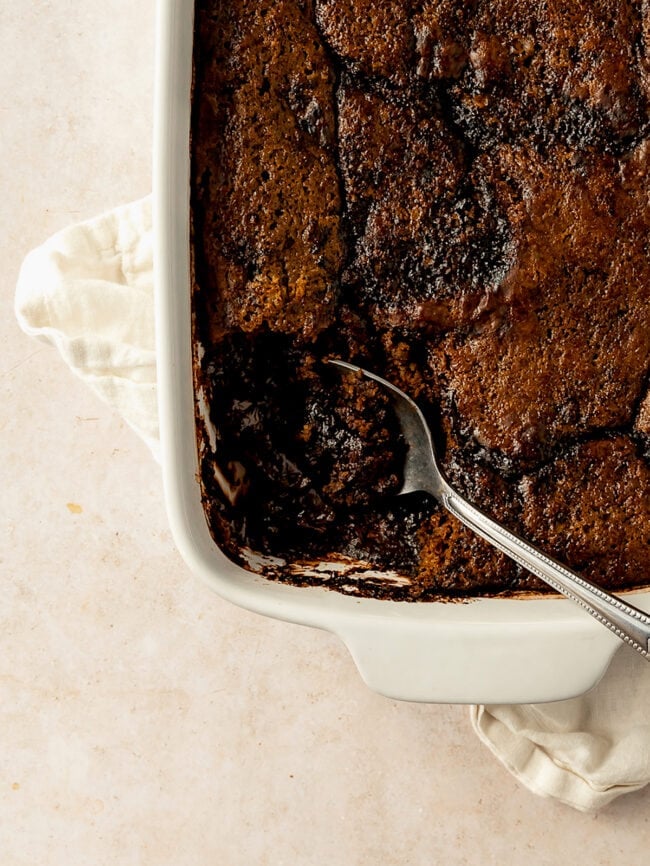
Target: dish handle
435 663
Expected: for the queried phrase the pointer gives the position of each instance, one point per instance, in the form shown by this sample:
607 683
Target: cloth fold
584 752
89 292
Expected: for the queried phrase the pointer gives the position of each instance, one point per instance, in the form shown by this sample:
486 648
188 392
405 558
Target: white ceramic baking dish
482 651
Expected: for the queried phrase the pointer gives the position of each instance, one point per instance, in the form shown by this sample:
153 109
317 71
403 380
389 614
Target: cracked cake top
454 195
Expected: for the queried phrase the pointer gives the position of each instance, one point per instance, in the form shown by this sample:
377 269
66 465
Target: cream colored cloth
584 752
89 292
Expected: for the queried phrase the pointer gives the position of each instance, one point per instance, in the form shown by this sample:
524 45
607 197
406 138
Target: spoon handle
628 622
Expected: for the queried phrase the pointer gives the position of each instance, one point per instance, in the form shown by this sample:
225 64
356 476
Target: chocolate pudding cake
454 195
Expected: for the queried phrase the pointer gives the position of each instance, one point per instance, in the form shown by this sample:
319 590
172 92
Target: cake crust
454 195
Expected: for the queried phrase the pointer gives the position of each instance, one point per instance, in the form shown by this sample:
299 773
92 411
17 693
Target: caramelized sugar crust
455 195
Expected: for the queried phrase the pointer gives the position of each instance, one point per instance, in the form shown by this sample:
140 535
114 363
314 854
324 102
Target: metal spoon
421 472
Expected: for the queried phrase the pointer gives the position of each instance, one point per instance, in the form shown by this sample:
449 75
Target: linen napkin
89 292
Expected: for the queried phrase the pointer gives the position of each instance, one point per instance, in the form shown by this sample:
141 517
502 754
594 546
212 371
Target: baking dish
482 651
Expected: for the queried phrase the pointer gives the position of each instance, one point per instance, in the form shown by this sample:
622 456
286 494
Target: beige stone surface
142 719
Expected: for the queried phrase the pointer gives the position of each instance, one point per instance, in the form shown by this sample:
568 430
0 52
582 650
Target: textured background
142 719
